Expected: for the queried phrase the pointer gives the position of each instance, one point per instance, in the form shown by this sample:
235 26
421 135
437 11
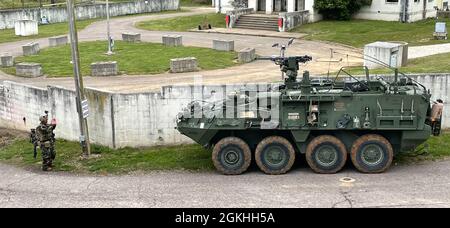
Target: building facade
271 6
442 4
387 10
399 10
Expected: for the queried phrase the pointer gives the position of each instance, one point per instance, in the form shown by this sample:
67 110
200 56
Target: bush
204 2
340 9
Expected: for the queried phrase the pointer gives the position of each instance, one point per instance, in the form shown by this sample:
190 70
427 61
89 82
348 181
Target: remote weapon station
367 120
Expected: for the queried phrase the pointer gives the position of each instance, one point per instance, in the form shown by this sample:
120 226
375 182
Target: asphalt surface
421 185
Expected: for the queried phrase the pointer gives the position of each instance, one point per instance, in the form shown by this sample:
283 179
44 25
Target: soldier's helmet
43 118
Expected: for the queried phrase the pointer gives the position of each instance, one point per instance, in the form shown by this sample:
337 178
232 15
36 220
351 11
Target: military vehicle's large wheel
275 155
326 154
372 153
231 156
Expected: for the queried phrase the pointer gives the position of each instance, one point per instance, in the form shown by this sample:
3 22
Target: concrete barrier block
6 61
104 69
223 45
31 70
181 65
31 49
131 37
246 55
172 40
58 41
26 27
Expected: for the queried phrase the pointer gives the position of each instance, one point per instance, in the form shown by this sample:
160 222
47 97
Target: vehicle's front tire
275 155
231 156
372 153
326 154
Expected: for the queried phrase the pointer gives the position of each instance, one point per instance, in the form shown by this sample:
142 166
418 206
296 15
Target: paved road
258 71
427 50
424 185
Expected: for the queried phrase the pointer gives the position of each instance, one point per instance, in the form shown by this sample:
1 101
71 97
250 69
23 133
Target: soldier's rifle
34 140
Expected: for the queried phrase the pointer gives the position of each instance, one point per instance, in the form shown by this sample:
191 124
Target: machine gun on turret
289 66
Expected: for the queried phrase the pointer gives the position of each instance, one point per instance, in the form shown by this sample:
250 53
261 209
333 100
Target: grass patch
184 157
357 33
126 160
8 35
190 3
430 64
182 24
435 148
133 58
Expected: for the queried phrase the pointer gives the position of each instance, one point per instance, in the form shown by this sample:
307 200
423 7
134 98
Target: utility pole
84 134
108 30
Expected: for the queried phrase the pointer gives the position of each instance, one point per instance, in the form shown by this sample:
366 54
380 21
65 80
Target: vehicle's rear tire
231 156
372 153
275 155
326 154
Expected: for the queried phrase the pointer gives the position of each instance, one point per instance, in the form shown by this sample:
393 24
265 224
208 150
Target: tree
340 9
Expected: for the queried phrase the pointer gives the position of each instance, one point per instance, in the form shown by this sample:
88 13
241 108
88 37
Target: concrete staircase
257 21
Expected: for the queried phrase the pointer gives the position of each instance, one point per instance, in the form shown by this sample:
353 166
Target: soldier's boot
47 168
46 165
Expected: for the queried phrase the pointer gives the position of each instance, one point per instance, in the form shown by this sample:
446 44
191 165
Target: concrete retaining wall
59 14
134 119
116 120
26 28
294 19
22 105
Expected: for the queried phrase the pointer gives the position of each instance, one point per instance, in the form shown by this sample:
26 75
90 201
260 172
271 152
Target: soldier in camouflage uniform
44 133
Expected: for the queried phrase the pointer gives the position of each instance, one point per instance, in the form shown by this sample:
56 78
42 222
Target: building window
391 1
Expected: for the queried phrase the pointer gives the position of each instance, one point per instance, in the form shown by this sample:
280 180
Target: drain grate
347 180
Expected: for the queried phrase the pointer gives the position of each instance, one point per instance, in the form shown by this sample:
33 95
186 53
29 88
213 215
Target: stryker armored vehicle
327 120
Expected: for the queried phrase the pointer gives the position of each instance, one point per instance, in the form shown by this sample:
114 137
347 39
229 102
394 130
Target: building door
299 5
261 5
279 5
283 6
